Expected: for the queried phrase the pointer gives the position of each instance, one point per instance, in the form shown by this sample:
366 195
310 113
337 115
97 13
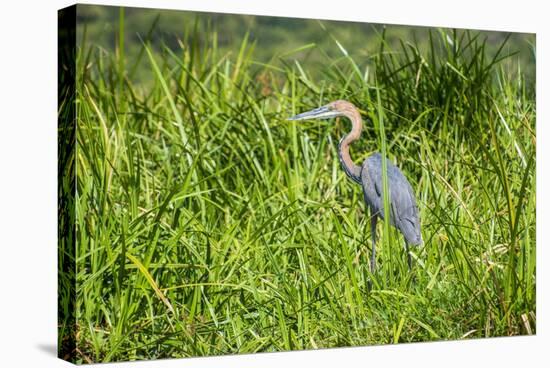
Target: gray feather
404 211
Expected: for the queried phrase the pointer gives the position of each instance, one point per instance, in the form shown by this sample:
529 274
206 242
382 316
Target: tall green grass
207 224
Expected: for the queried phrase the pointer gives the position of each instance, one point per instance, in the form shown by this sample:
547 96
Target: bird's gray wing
404 211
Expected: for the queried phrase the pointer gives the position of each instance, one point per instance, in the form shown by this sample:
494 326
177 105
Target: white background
28 181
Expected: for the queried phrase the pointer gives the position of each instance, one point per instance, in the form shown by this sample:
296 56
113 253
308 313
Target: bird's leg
409 261
373 220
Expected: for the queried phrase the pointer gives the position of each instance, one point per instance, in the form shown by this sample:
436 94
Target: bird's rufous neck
351 169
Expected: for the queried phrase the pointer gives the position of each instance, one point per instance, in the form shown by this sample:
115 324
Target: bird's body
403 209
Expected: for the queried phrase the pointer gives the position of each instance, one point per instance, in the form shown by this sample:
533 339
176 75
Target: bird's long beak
323 112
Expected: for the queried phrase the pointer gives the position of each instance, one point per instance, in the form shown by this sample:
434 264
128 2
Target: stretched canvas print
239 184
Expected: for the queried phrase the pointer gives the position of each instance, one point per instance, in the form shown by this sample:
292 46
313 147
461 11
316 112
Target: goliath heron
404 211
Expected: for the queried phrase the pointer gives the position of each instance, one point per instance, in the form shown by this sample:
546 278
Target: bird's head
331 110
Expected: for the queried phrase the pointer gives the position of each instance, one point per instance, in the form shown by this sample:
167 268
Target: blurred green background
276 39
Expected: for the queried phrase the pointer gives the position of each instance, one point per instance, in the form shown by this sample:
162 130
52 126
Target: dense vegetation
207 224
